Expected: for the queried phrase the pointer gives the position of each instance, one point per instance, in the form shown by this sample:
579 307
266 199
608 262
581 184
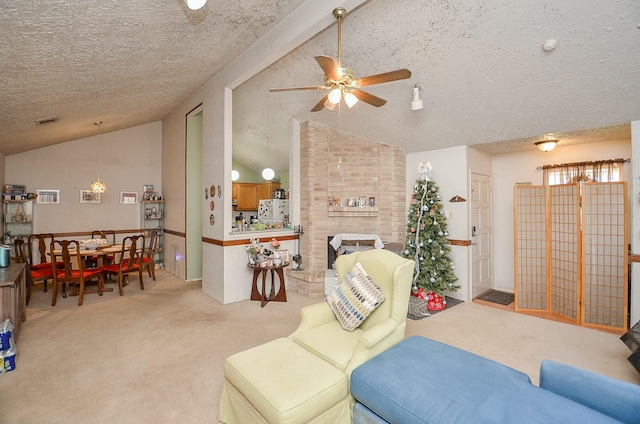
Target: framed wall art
88 196
129 197
48 196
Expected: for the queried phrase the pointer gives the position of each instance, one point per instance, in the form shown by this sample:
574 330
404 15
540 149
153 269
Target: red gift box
435 302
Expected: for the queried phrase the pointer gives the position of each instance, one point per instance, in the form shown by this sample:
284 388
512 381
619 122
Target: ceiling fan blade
369 98
329 67
311 87
384 77
320 105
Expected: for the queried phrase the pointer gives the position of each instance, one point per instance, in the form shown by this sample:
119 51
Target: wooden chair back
150 250
42 242
70 257
19 253
109 235
132 253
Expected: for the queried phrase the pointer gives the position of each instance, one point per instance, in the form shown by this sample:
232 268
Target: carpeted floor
496 296
157 356
418 314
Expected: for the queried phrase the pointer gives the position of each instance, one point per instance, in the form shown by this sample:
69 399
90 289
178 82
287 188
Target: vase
253 258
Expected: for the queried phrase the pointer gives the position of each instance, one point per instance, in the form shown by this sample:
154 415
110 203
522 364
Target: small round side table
261 295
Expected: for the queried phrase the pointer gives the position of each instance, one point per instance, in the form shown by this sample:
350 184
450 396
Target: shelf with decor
18 219
352 211
152 218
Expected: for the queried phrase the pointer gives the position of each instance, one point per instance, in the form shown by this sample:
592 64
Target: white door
480 234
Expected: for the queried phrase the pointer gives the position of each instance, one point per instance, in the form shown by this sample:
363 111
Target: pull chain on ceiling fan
342 82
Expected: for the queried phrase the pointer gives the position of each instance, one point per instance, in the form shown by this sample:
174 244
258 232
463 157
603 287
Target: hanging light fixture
268 173
546 145
98 186
234 175
195 4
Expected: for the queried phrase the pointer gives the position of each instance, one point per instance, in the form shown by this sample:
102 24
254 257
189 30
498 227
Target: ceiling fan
342 82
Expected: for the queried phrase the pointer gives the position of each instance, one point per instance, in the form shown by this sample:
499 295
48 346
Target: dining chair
149 258
20 256
69 252
108 235
129 261
40 265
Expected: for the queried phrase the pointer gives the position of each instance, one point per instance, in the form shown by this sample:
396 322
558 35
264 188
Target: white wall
451 175
220 279
129 159
510 168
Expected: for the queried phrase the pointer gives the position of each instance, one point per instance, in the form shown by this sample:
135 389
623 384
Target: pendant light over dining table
98 186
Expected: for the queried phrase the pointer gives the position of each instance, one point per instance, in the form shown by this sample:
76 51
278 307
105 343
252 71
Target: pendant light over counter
268 173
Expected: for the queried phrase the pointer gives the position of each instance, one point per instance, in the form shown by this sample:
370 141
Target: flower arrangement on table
254 248
275 243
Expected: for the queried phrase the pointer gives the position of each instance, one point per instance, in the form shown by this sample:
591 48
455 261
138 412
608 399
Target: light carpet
157 355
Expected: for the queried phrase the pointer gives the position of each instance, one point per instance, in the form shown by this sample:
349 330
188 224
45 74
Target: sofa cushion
284 382
355 298
424 381
330 342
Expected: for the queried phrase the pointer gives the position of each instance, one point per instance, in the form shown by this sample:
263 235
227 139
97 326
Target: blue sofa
424 381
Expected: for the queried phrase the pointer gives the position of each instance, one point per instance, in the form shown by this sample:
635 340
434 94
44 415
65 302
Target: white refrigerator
274 210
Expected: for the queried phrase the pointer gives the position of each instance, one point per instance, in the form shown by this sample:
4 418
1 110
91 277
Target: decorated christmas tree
427 242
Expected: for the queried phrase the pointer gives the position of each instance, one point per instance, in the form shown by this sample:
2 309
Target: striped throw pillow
355 298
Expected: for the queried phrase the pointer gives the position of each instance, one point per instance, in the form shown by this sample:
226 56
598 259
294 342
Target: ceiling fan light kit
342 82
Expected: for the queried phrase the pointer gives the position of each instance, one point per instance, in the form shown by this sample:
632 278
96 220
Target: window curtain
599 171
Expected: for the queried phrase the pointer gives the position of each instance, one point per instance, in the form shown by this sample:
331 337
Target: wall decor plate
212 205
219 190
212 219
212 190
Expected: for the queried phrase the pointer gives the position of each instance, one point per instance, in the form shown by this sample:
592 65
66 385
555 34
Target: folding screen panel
564 201
605 236
572 260
530 248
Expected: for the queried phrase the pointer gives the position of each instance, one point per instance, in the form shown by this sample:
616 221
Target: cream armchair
320 332
304 378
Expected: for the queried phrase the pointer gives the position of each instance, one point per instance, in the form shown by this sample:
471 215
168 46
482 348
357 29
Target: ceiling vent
50 120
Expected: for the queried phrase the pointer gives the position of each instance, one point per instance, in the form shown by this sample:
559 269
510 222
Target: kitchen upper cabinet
246 196
265 190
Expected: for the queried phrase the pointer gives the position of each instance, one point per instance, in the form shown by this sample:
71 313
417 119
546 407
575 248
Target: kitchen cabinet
265 190
246 196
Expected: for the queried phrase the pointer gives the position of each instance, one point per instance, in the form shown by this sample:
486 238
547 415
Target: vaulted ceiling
486 80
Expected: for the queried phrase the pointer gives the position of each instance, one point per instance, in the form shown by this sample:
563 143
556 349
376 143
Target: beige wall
128 159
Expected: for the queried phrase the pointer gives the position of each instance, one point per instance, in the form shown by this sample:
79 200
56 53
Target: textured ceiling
486 80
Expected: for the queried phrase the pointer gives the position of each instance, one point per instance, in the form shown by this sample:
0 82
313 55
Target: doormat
495 296
451 302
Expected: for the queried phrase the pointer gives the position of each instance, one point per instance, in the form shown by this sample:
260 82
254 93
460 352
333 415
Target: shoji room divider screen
571 256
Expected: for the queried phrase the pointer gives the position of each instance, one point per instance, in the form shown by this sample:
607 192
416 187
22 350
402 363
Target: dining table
100 254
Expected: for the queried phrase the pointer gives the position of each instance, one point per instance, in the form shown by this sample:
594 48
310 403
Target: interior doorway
193 190
481 273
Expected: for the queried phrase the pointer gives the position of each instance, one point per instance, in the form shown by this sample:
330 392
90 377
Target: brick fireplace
346 168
